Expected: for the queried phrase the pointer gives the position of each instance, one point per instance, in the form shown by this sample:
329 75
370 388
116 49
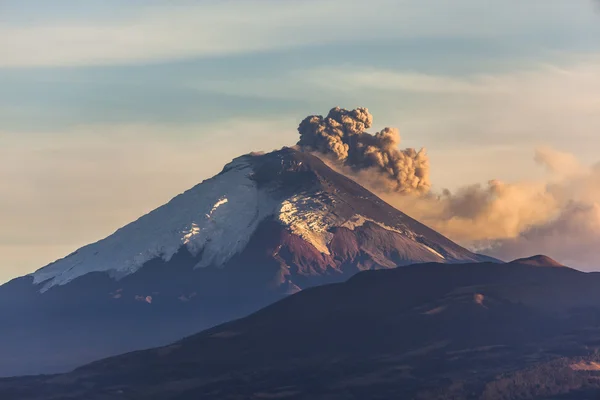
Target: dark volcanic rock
430 331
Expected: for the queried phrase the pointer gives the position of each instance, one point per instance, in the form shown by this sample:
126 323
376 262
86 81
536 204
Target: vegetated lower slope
430 331
266 226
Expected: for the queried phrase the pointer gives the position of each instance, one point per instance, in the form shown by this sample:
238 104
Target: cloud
572 233
475 215
405 81
572 237
547 84
183 29
532 105
558 216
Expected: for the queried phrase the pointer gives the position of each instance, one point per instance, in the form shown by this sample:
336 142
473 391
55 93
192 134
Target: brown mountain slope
538 261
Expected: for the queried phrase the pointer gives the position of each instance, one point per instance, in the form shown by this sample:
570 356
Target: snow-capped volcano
218 217
266 226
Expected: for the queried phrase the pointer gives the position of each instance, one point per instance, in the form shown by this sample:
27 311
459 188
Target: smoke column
342 135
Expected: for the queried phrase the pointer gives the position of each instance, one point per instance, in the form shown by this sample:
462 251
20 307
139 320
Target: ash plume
558 215
342 136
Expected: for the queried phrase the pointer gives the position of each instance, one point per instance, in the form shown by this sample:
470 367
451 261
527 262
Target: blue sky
102 98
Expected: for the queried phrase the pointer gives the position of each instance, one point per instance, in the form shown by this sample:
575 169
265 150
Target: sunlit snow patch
217 204
308 217
190 233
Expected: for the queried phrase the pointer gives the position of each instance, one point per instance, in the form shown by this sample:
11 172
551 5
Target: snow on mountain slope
310 218
216 219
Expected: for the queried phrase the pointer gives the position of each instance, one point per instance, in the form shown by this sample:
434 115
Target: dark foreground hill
528 329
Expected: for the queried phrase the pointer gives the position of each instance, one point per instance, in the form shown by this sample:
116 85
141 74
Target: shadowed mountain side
429 331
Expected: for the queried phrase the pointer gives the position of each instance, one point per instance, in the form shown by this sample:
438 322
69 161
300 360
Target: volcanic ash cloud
342 136
558 216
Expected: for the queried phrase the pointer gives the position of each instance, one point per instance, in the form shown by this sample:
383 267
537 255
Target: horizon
92 137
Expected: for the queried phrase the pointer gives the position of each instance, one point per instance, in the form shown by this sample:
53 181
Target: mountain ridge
539 260
428 331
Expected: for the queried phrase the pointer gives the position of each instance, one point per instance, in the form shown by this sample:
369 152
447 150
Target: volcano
267 226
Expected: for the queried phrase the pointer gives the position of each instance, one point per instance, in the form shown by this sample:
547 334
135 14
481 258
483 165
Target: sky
109 108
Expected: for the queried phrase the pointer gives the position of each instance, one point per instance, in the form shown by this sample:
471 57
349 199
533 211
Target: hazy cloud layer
558 216
571 232
174 31
156 31
519 109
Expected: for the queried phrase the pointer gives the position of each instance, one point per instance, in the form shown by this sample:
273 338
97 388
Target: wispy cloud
541 101
181 29
574 76
558 215
548 102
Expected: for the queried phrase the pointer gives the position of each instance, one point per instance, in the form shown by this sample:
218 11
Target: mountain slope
430 331
538 261
218 218
266 226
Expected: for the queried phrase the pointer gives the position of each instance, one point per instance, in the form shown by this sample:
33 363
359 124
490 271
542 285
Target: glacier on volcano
217 217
